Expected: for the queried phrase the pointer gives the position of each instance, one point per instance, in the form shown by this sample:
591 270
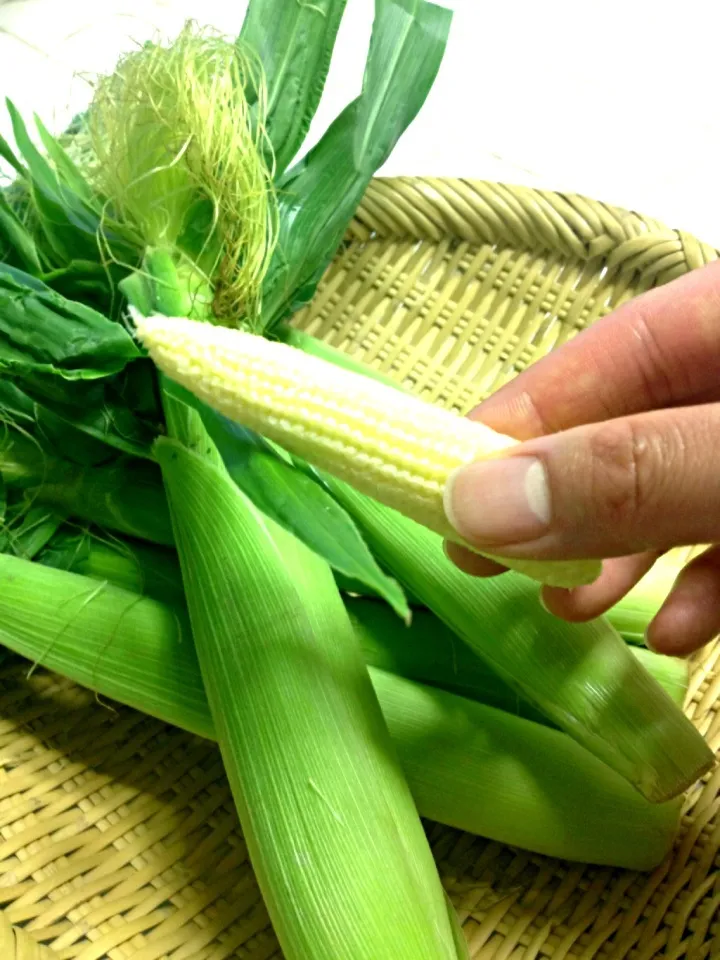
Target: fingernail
499 501
648 643
678 655
543 604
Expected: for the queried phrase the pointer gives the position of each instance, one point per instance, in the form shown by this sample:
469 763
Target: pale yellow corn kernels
386 443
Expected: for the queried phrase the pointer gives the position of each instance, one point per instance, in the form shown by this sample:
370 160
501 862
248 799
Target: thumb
624 486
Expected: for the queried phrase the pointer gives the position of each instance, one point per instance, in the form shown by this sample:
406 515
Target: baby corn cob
387 444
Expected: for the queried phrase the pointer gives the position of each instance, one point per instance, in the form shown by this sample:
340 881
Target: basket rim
527 218
480 212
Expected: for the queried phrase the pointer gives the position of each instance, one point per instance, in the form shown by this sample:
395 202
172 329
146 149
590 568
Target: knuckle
657 371
620 475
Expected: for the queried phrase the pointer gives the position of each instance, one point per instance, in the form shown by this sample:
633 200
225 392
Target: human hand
620 461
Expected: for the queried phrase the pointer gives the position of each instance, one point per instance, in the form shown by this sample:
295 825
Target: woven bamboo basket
119 838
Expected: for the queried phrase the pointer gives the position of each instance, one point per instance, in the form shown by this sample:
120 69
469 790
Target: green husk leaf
133 565
37 165
10 157
295 501
22 279
73 217
67 173
292 500
294 43
62 439
43 333
21 249
84 417
15 405
92 283
318 197
69 226
407 46
23 462
125 495
96 408
34 528
672 673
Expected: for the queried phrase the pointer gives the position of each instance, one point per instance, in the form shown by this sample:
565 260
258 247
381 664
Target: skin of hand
619 460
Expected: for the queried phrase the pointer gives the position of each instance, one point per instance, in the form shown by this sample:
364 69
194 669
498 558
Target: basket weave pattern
119 838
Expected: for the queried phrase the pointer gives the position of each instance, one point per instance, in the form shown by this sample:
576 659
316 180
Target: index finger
660 349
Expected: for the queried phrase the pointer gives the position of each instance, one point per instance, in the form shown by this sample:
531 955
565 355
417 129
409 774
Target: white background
615 99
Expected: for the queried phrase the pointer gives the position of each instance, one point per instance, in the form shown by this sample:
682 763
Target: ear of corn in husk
332 830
